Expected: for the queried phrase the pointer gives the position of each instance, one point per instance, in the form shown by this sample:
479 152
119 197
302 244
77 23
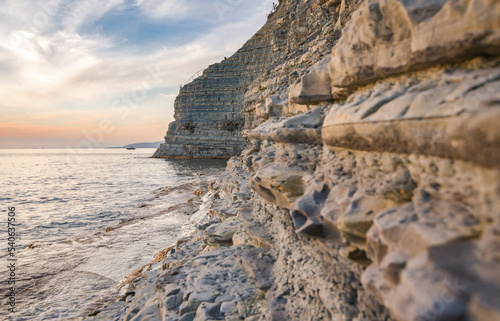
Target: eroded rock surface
369 188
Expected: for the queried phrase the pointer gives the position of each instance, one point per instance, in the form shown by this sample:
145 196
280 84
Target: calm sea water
59 193
65 200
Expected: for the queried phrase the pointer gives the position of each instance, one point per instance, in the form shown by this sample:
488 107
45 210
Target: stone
338 200
277 305
188 317
359 216
279 186
409 230
257 267
198 296
375 283
303 128
240 238
376 250
384 38
314 86
228 308
255 234
425 293
208 311
273 107
392 265
149 312
324 213
208 109
452 121
437 284
221 234
302 135
174 301
369 188
172 290
484 306
306 211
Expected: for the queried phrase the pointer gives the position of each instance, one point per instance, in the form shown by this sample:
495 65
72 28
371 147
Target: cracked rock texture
369 187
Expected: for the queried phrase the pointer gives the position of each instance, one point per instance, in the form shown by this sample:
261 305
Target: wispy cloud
78 13
65 57
165 9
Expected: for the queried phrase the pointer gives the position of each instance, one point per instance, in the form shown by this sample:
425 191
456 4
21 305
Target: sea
80 221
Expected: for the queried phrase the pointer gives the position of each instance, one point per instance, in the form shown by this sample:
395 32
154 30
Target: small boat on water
130 148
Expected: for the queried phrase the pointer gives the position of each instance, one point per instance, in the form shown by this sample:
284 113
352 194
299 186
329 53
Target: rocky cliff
208 110
369 188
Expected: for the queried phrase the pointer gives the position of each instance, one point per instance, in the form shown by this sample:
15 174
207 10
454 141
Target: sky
98 73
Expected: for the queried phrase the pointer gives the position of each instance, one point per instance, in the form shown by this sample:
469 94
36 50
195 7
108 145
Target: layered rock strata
370 185
208 110
393 165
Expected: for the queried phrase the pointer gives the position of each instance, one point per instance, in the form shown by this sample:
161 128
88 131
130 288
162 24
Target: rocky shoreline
369 187
213 271
67 279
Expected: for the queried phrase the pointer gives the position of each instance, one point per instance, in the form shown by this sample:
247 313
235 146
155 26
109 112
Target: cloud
60 64
165 9
77 13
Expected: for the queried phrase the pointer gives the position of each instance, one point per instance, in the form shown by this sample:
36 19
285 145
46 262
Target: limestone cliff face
369 188
208 110
379 177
